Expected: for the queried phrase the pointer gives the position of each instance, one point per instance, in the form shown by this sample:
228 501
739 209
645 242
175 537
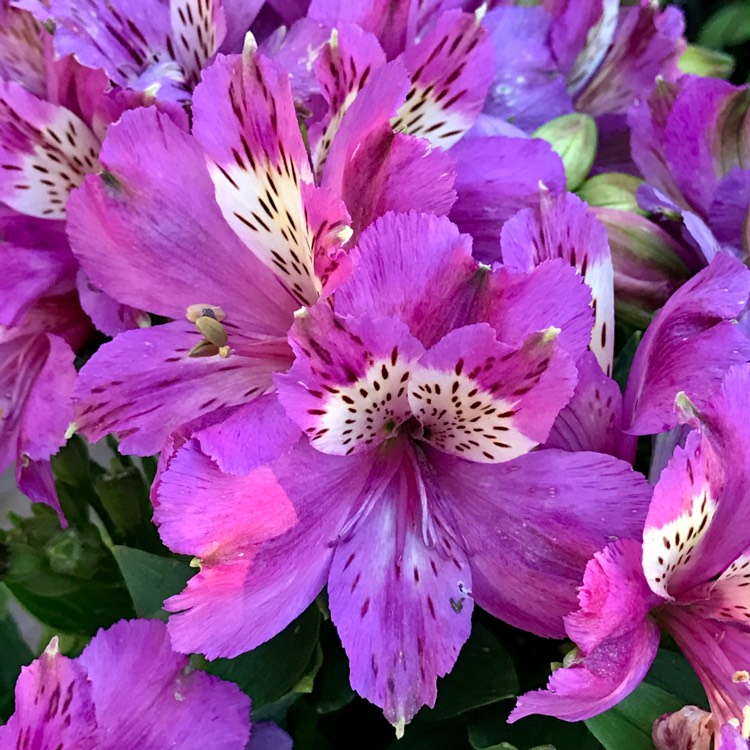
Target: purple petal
375 170
54 706
617 640
150 242
693 138
730 210
342 68
647 43
717 652
731 739
250 593
564 227
486 401
233 442
529 89
543 516
108 315
239 15
384 19
22 56
400 605
495 178
693 327
45 151
680 517
246 123
592 420
451 71
414 267
348 387
198 30
144 384
42 264
267 736
148 696
519 303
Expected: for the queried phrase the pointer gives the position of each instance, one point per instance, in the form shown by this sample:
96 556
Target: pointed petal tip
250 47
400 726
687 410
550 334
481 12
53 649
333 42
72 429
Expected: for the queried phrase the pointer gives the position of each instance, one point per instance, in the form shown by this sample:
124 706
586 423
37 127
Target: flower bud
647 263
709 63
689 727
612 190
573 138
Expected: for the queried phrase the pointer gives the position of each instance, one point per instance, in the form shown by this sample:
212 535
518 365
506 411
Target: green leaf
151 579
492 730
672 672
332 689
271 671
624 360
483 674
627 726
15 654
729 27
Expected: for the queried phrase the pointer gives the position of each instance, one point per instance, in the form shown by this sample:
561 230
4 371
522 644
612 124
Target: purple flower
689 140
41 324
691 343
689 576
126 691
251 240
593 57
422 387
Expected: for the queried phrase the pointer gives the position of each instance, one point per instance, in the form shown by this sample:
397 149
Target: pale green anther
612 190
687 409
709 63
345 234
212 329
574 139
250 46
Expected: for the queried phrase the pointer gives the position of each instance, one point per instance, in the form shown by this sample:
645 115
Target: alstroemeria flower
589 56
691 343
160 48
251 240
690 141
689 576
446 55
127 691
41 325
422 387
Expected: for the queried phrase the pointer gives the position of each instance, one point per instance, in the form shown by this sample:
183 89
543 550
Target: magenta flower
689 576
579 55
41 325
127 690
422 388
252 240
689 140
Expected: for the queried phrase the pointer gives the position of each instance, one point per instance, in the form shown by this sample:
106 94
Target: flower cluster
362 274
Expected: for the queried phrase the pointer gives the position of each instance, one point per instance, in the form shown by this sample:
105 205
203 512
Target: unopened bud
612 190
709 63
573 138
647 263
689 727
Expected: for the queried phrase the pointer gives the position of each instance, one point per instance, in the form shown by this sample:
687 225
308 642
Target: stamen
212 311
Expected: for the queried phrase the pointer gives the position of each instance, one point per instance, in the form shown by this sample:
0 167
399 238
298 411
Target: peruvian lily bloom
159 48
689 576
446 58
589 56
421 388
250 241
127 691
690 141
41 325
698 324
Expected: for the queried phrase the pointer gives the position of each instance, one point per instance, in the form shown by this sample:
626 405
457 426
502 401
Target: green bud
612 190
573 138
705 62
65 552
647 261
